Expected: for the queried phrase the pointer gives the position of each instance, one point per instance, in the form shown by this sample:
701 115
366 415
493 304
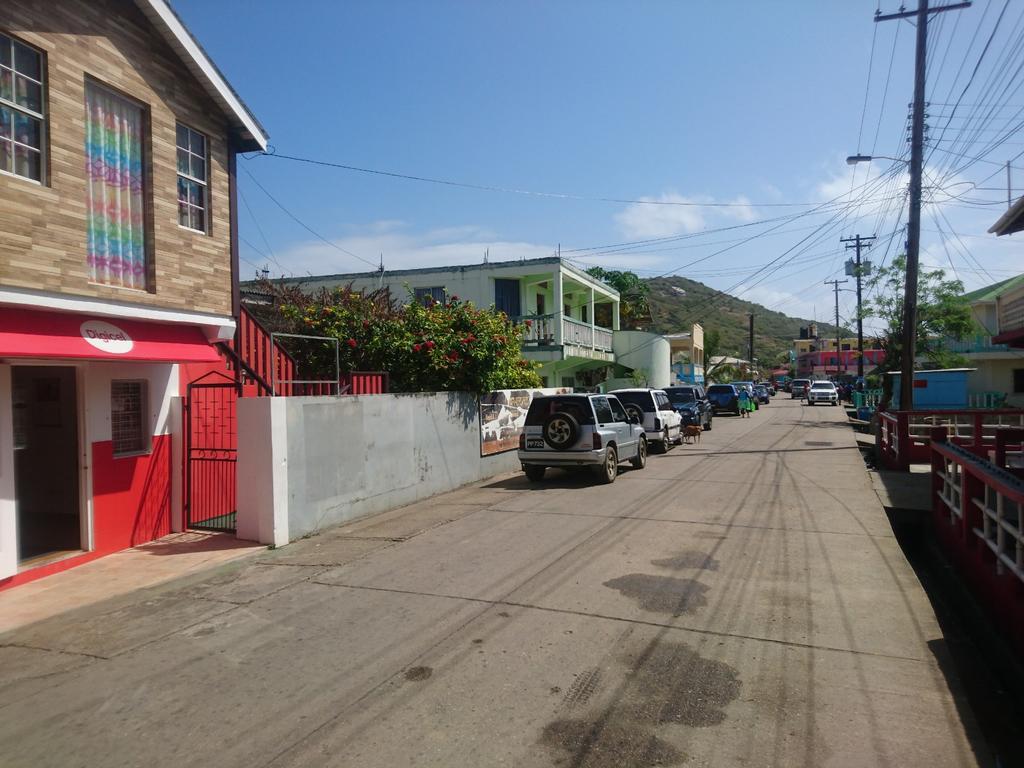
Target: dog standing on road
691 433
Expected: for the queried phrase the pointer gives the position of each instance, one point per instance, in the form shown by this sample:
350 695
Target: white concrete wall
262 469
995 376
649 352
309 463
8 520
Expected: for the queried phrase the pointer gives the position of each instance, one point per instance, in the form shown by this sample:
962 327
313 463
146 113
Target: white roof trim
165 19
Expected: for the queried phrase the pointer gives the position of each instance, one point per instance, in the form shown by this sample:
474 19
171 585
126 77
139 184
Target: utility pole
920 17
751 345
858 242
835 284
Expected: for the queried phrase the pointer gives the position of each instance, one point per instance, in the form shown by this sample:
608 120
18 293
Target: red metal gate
211 453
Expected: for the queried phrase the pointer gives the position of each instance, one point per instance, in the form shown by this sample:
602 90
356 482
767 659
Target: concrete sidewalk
172 557
740 601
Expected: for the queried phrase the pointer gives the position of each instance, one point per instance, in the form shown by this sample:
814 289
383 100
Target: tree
942 315
445 346
634 309
712 349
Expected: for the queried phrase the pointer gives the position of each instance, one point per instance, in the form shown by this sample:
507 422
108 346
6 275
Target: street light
910 284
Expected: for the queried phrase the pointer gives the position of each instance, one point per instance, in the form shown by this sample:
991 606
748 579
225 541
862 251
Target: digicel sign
107 337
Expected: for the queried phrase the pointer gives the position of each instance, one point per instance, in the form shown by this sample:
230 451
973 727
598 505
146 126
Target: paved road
739 602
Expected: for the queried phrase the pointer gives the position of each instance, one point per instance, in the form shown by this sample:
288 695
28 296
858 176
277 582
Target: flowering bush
449 346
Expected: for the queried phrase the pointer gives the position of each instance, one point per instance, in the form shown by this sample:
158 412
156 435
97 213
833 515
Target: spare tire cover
561 430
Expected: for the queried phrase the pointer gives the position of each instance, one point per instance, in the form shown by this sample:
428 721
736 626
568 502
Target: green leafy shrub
445 346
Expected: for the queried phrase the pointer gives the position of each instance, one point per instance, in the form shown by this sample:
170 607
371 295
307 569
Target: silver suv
662 424
822 392
580 431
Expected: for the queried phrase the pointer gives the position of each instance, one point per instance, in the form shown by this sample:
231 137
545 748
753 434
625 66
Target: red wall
131 501
131 496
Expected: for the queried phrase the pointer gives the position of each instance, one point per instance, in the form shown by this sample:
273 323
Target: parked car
691 402
662 424
584 430
798 389
822 392
761 393
724 398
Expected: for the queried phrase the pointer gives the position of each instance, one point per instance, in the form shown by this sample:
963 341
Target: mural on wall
503 414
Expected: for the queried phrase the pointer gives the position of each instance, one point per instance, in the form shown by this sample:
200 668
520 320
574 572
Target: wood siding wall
43 227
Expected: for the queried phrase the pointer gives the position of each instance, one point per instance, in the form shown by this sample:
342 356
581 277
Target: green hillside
674 312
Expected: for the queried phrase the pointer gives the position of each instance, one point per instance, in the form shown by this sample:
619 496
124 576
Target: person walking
745 403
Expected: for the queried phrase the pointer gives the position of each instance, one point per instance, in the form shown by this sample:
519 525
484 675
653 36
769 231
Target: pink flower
430 345
351 343
529 323
416 347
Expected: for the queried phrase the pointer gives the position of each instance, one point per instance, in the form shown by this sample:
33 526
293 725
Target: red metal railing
905 435
268 369
977 510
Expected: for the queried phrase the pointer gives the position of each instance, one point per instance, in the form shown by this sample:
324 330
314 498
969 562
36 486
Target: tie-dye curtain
113 150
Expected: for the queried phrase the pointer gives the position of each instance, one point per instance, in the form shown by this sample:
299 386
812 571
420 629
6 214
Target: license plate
535 443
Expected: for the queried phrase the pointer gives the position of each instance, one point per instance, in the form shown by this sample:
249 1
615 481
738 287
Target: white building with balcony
571 315
998 312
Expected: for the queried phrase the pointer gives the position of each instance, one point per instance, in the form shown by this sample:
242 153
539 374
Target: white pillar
263 470
8 519
556 284
593 331
615 316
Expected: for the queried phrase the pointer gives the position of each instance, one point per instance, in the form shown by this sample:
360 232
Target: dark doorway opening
46 474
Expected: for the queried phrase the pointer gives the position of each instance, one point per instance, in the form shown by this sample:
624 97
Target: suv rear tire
640 460
608 471
561 430
533 472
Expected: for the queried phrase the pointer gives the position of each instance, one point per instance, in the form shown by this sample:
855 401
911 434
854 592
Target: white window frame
146 441
204 183
429 292
40 116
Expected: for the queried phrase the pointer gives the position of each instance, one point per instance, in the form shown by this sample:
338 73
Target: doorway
46 472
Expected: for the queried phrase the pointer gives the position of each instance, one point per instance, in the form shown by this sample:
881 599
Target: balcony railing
541 331
975 344
585 335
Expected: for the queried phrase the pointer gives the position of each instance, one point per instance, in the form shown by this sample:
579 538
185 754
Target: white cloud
680 215
640 220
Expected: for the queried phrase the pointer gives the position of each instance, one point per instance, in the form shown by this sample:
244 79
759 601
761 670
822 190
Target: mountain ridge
774 332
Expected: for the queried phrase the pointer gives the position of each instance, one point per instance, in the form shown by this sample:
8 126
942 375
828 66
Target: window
506 297
22 119
192 186
1018 380
540 304
428 296
583 313
618 412
128 417
603 411
115 209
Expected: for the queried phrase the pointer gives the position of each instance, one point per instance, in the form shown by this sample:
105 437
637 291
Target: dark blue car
692 404
724 398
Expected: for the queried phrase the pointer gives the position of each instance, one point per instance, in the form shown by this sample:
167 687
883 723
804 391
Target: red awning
34 333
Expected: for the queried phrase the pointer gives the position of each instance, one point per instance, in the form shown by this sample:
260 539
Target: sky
703 138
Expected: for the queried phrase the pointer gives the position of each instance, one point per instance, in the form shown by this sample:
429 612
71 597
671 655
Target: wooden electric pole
839 355
858 242
920 18
751 345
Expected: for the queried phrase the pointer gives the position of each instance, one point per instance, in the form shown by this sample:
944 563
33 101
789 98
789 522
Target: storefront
88 433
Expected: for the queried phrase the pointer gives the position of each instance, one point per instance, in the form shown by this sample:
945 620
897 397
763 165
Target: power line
527 192
303 224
